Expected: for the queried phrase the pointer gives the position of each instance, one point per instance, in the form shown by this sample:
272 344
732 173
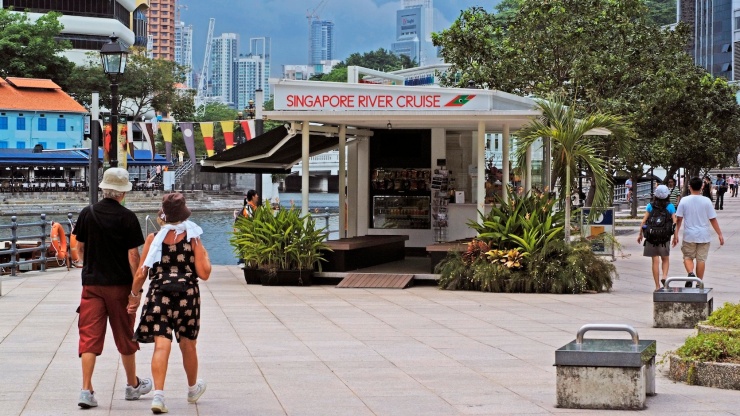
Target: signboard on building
358 97
599 231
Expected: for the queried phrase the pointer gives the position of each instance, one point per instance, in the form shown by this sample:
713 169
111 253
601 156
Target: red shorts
100 304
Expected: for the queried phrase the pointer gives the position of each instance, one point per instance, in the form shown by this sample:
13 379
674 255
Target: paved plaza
326 351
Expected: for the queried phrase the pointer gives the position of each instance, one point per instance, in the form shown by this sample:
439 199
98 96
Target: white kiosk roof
374 106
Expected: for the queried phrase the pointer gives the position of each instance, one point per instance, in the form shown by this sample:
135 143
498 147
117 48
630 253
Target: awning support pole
304 172
481 182
505 164
342 180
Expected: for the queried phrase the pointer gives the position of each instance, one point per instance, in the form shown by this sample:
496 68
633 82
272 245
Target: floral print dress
173 300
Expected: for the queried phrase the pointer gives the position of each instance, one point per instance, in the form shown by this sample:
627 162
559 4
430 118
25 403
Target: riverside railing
12 249
327 216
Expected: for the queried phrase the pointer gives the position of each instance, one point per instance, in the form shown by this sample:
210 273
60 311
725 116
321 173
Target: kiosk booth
410 151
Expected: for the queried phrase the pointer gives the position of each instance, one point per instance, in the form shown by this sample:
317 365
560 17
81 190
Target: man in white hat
109 236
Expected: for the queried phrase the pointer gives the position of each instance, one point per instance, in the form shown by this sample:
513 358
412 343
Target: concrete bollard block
681 307
605 373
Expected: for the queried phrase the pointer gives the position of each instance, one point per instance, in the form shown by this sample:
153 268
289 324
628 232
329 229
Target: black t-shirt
107 242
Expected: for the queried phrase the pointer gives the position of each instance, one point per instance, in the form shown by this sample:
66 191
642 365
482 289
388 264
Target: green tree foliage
662 12
381 60
147 84
572 146
600 55
29 49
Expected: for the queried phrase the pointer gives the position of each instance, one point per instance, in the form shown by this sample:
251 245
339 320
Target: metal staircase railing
183 170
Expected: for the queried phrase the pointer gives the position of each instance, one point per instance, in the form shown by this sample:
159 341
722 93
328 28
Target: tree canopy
28 49
147 84
601 55
381 60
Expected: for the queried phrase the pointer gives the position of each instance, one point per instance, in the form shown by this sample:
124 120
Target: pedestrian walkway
326 351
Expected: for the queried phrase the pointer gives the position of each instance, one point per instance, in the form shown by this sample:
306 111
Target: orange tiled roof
36 95
32 83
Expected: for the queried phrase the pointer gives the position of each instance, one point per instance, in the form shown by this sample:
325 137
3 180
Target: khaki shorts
698 251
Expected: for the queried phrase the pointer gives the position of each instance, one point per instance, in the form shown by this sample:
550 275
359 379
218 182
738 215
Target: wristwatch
137 295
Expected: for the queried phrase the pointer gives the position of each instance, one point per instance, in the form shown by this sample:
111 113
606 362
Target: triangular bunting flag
189 139
166 128
146 133
248 127
207 129
228 129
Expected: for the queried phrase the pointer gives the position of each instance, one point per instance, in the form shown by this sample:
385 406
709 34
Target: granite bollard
681 307
605 373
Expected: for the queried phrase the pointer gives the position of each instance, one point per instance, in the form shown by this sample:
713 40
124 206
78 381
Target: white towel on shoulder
155 249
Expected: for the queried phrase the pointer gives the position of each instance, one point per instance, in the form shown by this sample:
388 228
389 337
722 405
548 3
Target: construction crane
202 92
312 15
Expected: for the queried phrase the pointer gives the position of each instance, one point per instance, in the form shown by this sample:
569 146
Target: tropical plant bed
520 248
282 247
712 357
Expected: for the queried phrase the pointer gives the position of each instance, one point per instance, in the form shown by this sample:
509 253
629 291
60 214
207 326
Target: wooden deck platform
377 280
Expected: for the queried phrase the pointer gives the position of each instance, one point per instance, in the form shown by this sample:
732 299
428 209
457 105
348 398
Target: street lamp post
113 56
250 110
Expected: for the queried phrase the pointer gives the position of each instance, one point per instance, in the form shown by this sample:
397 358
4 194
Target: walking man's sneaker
195 393
689 284
87 399
158 405
144 387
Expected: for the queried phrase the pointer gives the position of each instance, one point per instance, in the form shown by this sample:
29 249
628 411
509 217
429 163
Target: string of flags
150 128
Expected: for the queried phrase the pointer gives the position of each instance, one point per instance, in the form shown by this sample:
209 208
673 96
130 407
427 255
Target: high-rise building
320 41
184 50
252 72
86 27
162 24
224 51
714 25
414 26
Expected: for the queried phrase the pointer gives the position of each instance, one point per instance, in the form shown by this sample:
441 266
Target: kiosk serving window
400 179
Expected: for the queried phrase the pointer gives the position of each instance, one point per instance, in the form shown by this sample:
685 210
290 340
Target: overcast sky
359 25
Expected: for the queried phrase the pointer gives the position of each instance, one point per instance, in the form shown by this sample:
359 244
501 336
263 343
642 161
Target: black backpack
659 226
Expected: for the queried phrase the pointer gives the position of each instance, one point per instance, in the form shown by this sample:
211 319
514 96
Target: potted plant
282 247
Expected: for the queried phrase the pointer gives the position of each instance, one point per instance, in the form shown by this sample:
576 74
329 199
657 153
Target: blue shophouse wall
53 129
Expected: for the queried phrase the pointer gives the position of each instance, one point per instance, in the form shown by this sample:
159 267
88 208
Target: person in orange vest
250 204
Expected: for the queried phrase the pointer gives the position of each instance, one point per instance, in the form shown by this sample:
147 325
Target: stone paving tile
320 350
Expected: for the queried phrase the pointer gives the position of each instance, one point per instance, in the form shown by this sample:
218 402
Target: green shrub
715 347
524 222
559 268
282 240
455 273
728 316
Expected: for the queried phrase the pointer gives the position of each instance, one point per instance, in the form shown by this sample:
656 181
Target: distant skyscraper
414 26
224 51
252 72
713 23
184 50
320 42
161 15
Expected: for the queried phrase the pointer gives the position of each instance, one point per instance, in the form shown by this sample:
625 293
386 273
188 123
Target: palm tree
572 144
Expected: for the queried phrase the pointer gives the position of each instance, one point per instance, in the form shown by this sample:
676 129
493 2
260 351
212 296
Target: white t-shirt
696 211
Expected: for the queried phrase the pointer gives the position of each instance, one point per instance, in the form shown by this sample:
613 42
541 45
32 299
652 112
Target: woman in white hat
656 228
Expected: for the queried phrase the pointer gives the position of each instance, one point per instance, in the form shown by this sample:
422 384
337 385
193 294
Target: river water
217 225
